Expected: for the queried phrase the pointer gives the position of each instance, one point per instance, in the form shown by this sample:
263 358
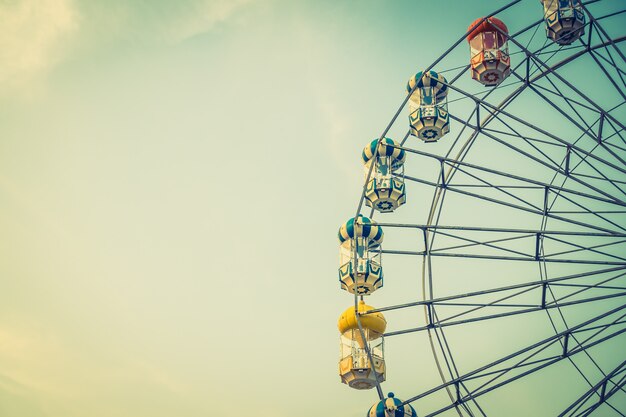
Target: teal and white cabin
565 20
391 407
428 106
360 270
385 190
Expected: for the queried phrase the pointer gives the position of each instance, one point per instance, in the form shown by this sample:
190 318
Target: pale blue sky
172 177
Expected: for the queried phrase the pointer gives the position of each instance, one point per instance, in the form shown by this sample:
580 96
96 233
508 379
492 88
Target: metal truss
531 358
575 196
604 389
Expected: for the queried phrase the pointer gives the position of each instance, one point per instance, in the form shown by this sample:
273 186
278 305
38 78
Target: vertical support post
527 79
565 343
600 128
567 159
537 246
589 37
478 128
543 295
603 391
443 174
430 315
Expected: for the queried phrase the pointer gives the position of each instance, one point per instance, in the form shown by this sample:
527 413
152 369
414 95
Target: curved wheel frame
583 201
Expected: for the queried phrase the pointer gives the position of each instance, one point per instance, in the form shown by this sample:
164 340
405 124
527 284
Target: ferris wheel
499 209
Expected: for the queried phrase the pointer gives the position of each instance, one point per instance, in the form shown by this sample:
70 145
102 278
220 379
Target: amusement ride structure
520 148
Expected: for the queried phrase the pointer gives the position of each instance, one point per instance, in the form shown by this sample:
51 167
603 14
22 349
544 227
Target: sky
172 178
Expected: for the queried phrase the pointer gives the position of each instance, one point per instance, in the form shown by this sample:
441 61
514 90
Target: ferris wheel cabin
355 367
428 106
565 20
361 271
391 407
490 63
385 189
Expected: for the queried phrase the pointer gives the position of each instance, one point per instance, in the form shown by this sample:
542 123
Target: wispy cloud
37 35
31 37
25 359
155 21
202 16
36 362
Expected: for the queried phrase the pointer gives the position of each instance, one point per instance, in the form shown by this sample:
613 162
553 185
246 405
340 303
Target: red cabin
490 62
